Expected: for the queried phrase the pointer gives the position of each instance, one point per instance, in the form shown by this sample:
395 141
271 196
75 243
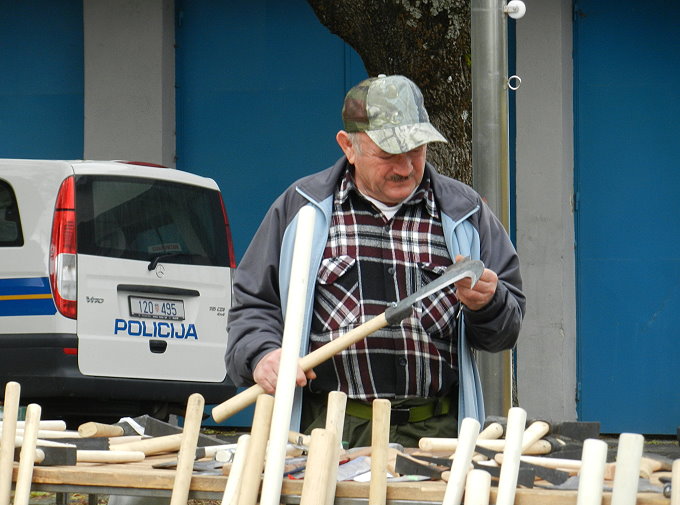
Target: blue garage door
627 64
260 88
41 89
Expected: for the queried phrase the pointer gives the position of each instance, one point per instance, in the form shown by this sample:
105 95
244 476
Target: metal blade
465 268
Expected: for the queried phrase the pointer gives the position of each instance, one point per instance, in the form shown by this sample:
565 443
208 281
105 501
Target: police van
115 282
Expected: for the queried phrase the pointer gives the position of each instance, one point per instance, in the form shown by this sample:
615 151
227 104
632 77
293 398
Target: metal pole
490 160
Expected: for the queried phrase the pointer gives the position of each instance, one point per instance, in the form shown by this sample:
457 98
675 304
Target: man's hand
266 372
481 294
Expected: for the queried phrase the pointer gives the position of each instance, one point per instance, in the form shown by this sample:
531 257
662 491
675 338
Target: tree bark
428 41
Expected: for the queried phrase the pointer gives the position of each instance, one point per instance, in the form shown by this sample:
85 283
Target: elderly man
387 224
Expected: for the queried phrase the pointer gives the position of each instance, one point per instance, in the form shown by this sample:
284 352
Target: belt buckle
400 416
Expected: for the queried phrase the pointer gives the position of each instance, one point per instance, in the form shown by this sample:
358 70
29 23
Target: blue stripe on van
29 296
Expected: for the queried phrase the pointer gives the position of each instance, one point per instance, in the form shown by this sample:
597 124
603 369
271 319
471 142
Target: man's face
389 178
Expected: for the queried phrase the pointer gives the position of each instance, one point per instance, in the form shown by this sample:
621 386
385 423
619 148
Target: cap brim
404 138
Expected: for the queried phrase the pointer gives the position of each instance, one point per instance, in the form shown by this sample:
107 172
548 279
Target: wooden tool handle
92 429
187 449
335 421
319 462
591 477
7 439
380 439
102 456
477 488
461 461
22 490
628 456
259 434
535 432
491 432
231 490
155 445
507 481
675 483
245 398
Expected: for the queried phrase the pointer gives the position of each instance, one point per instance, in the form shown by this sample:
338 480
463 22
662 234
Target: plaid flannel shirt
368 263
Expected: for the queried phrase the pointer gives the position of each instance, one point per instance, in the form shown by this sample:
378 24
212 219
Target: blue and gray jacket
261 280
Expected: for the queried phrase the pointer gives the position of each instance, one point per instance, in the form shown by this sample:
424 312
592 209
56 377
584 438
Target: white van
115 282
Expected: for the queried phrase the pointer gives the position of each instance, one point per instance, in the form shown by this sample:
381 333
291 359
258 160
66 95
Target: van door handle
157 290
158 346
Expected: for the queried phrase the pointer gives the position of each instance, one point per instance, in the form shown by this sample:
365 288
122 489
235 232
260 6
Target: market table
140 479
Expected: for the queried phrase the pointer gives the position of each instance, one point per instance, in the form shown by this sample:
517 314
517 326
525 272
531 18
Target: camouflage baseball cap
390 109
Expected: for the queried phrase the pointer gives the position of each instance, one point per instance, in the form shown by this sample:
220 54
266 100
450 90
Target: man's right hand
266 372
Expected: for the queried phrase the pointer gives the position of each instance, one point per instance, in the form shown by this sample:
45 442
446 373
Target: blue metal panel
260 88
41 90
627 67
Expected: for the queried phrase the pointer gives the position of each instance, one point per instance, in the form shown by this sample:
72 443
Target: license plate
156 308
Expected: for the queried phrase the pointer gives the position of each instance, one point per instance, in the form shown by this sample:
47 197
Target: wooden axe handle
460 467
92 429
154 445
594 460
335 421
317 473
477 488
187 449
231 490
380 439
259 434
99 456
7 439
240 401
22 491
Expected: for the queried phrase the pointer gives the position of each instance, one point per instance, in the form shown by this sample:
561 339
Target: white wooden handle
290 357
627 477
675 483
591 475
507 481
154 445
102 456
259 433
380 439
335 422
22 491
7 440
187 449
317 473
230 496
467 437
536 431
477 488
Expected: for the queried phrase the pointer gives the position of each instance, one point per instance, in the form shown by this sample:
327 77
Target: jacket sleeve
255 324
496 327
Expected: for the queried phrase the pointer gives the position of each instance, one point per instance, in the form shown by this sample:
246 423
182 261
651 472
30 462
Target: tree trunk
428 41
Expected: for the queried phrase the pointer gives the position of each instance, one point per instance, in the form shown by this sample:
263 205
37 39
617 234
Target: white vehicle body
135 309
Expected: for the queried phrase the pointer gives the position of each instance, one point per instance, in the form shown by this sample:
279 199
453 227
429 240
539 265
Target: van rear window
143 219
10 224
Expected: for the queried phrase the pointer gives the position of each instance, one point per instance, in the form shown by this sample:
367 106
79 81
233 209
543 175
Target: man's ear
345 144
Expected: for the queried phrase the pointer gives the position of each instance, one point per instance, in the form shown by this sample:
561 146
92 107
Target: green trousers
357 431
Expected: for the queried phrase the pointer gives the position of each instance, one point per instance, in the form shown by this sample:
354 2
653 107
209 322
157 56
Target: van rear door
154 278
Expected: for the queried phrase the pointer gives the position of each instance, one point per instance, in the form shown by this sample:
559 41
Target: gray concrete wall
129 80
546 353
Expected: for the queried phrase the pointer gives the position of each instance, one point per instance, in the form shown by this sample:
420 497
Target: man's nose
402 165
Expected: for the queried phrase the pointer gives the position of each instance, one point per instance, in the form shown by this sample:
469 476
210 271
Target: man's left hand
477 297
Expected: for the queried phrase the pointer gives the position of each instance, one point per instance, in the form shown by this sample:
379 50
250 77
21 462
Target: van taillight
63 272
230 242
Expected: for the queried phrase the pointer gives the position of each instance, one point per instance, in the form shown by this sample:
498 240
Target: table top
142 479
